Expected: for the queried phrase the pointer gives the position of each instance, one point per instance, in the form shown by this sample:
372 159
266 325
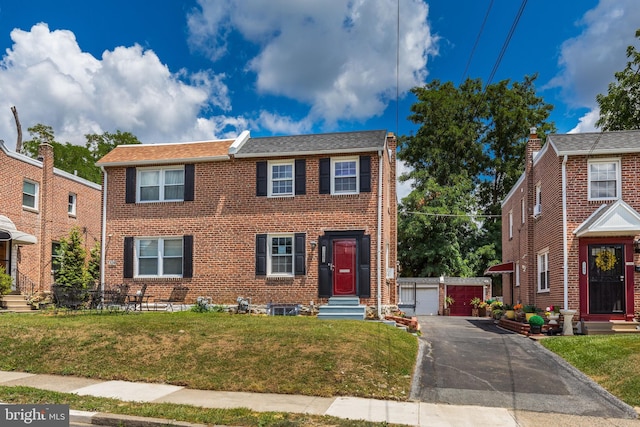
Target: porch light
636 246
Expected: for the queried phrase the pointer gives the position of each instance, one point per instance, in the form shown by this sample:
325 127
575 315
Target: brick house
570 226
40 205
288 219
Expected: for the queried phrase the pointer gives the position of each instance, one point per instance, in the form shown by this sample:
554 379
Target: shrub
536 320
5 281
529 308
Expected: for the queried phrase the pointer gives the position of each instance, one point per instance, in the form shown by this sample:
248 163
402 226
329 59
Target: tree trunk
14 110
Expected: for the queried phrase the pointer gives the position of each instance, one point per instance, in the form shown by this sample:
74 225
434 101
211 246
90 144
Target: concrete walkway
408 413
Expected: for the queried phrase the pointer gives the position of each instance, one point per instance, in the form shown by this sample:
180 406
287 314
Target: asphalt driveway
470 361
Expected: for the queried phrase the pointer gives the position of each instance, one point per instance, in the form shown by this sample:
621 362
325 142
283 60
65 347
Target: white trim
239 142
35 195
542 257
513 189
160 256
523 211
162 162
618 172
270 165
511 224
565 244
269 254
335 160
161 183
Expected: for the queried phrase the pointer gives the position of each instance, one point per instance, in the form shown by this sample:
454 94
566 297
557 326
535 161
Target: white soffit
618 219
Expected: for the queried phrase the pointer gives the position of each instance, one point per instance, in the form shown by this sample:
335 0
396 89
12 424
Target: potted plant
482 309
475 302
448 302
509 311
529 310
535 324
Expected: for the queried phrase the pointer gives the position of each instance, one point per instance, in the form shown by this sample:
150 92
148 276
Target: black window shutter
364 267
300 248
187 256
189 182
261 179
301 176
324 272
127 261
261 254
130 185
325 176
365 174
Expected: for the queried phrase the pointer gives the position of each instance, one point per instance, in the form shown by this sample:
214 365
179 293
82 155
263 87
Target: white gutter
565 261
379 234
104 228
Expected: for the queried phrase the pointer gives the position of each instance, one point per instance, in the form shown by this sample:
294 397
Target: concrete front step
16 303
610 327
342 308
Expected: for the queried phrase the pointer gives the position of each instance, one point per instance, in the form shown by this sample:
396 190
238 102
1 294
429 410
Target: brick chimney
534 145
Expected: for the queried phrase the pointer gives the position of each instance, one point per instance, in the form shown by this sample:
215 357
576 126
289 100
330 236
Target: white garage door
426 299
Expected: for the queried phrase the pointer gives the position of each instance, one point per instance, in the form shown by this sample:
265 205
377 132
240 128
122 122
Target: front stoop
342 308
16 304
610 327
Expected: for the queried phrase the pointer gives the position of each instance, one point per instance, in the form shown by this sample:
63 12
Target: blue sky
200 69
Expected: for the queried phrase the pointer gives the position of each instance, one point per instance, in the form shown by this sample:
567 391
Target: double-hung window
71 207
344 176
161 185
281 178
280 257
159 257
543 271
29 194
604 179
510 225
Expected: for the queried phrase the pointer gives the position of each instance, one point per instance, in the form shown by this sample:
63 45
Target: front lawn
215 351
613 361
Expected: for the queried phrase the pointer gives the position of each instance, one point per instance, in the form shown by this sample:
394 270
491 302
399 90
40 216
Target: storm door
606 279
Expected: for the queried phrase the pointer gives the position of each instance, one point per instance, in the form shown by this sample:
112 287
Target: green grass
613 361
214 351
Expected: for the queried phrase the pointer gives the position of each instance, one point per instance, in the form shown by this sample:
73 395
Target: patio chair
138 298
67 296
177 296
115 298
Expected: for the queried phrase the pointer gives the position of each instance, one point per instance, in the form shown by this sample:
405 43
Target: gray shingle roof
339 142
596 142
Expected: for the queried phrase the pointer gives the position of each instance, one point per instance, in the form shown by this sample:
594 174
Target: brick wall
51 220
225 217
545 231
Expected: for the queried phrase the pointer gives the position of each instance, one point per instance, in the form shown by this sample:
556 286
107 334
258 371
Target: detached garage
424 296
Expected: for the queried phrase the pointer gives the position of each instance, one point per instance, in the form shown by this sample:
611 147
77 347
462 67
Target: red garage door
462 296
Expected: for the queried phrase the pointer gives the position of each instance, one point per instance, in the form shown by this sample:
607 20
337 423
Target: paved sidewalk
408 413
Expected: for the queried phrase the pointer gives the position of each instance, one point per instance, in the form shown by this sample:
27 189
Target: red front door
344 267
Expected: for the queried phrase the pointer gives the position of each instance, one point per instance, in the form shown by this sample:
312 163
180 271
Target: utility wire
506 42
475 45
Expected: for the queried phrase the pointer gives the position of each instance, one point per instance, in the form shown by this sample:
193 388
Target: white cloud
50 80
403 188
588 62
587 123
286 125
337 56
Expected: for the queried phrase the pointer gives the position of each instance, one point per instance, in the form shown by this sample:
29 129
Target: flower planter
474 312
511 314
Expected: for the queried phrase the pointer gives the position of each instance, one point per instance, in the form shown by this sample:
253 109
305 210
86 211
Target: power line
506 42
453 215
475 45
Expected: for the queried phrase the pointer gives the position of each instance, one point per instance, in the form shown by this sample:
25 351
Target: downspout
379 234
565 261
104 228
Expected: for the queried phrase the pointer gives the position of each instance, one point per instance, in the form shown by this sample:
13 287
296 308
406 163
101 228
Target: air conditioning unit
537 210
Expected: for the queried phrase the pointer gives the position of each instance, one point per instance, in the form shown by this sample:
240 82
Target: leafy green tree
77 159
468 152
620 108
93 267
73 270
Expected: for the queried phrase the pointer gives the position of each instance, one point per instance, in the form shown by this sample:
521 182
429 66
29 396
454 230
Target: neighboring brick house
570 226
289 219
39 205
